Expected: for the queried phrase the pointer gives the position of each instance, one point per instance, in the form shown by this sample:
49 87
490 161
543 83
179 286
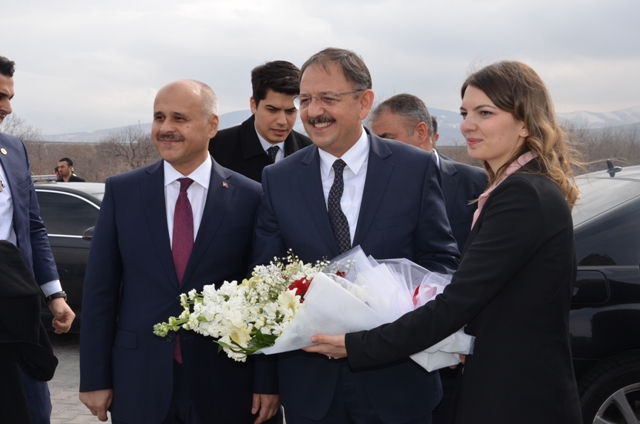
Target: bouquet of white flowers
266 313
246 317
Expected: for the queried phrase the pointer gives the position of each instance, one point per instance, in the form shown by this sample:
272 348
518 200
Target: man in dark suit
352 188
163 230
20 224
268 136
405 118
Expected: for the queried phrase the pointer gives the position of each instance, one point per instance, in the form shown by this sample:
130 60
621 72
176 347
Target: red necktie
182 242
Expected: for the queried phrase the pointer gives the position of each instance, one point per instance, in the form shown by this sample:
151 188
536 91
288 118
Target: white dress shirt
6 211
354 176
197 193
7 232
266 145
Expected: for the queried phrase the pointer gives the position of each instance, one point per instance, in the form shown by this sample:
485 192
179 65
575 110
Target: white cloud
86 66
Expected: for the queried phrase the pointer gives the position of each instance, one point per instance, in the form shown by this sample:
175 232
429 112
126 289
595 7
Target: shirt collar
202 174
354 157
265 144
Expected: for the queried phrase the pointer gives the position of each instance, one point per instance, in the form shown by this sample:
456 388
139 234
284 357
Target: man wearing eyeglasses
352 188
268 135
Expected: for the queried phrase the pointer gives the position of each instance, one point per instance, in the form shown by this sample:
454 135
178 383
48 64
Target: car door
67 217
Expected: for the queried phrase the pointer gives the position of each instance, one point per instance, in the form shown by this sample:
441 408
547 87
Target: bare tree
17 127
30 135
131 147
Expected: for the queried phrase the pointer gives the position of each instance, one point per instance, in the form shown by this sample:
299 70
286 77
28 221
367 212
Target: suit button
178 298
169 338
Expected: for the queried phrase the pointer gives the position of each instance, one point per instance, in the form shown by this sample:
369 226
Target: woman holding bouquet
512 290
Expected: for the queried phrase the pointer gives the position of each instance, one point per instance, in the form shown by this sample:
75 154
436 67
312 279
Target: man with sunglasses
352 188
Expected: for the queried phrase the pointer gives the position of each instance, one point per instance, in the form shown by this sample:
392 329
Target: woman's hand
332 346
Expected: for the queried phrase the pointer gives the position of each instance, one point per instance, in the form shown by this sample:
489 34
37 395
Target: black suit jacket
513 292
402 215
461 183
238 148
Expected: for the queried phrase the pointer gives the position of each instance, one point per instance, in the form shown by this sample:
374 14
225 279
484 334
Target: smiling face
275 116
492 134
6 94
180 130
334 129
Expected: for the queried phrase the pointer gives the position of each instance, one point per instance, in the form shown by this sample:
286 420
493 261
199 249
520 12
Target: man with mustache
267 136
164 230
352 188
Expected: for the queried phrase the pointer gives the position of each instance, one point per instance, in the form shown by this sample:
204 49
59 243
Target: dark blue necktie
337 218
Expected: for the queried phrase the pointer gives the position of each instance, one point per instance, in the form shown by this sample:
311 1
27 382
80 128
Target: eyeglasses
326 99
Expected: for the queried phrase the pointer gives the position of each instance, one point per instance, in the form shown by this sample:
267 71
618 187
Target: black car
69 211
605 315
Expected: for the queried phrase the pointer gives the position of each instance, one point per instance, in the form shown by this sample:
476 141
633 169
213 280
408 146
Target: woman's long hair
516 88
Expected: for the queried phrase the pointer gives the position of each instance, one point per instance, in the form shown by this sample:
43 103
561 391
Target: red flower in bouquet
301 286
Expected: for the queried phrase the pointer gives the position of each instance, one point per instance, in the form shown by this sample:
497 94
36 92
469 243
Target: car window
600 194
612 238
65 213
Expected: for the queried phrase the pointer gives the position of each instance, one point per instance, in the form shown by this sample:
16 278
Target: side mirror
88 234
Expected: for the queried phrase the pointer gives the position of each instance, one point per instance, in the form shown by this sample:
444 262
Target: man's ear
213 124
366 103
423 132
253 105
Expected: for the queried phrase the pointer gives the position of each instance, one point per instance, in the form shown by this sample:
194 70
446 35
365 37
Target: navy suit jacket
131 285
461 183
239 149
31 234
402 215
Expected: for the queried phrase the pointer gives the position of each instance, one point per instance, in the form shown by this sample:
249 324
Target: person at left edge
247 148
20 224
135 275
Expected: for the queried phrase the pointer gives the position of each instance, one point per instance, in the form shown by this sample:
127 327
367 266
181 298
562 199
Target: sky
88 65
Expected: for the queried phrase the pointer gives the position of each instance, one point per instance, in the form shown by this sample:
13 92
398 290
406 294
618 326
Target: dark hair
280 76
352 65
7 67
516 88
409 107
69 161
434 124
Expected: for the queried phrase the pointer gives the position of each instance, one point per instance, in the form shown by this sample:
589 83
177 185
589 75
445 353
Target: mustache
320 120
171 137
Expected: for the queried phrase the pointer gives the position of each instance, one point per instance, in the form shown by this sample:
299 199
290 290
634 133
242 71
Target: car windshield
599 192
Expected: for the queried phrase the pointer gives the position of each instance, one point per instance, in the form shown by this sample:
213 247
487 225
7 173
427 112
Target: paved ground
67 408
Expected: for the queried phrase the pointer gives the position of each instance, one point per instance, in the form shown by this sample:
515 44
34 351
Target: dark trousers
38 398
350 405
449 377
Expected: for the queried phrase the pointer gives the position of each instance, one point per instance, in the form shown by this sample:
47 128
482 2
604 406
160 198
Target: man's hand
98 402
332 346
265 406
63 316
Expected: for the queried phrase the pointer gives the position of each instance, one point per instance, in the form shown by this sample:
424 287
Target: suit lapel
251 146
379 169
450 183
310 185
152 193
219 195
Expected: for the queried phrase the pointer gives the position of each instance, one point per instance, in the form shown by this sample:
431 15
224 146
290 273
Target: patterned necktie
337 218
182 243
272 152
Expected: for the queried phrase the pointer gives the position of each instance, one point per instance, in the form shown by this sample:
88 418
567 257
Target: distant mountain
601 120
448 124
